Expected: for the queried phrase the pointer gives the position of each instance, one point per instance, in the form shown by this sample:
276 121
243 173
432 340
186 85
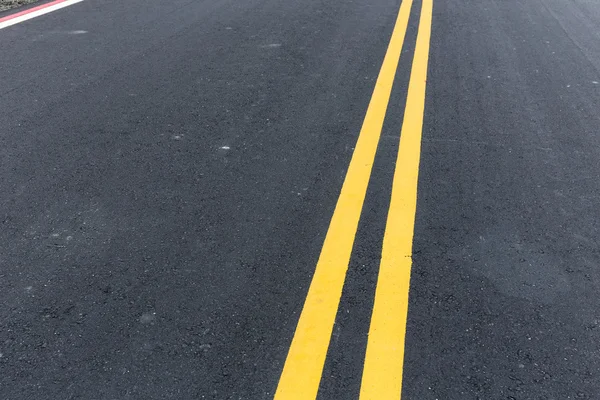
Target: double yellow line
382 374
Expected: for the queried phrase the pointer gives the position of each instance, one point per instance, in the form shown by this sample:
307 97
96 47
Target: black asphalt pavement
169 169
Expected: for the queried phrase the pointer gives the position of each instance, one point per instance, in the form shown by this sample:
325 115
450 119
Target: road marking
384 359
304 364
35 12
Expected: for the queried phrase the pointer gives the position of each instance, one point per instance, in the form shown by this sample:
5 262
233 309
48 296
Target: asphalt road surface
226 199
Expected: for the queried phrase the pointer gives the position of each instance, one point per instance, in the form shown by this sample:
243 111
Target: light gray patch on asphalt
519 268
148 318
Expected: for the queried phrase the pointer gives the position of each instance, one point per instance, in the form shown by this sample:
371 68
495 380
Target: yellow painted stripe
382 375
304 364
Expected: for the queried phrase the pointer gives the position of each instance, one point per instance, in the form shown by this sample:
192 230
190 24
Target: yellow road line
304 364
382 375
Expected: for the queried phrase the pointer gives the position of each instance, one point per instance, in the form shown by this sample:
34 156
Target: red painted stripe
30 10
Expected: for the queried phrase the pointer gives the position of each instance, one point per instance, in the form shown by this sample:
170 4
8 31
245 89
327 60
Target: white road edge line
37 13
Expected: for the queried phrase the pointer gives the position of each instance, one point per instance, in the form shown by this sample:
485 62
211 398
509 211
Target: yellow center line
304 364
382 375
